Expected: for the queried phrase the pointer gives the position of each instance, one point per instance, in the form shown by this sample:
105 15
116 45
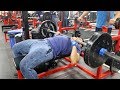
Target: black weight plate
47 25
96 42
47 16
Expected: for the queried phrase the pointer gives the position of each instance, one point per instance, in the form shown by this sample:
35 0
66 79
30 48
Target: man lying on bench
37 51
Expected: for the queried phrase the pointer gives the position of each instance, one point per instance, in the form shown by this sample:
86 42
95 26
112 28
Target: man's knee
23 66
27 70
15 47
15 50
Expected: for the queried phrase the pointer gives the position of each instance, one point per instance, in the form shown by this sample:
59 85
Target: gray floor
7 69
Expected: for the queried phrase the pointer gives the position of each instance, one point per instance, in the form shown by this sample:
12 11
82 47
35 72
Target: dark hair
77 34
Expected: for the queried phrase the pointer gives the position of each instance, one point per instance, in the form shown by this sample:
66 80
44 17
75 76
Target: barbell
97 49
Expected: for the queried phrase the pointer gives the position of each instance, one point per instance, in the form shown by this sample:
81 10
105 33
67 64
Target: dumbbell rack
19 24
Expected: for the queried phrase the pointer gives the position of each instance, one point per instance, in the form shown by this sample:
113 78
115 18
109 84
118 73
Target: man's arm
82 16
117 15
74 55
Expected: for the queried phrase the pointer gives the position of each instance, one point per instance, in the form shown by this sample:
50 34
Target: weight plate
45 26
95 43
47 16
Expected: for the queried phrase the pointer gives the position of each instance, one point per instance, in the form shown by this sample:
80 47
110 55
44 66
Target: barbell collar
104 52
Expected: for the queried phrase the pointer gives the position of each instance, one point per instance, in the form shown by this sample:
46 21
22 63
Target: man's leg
22 48
40 54
98 29
101 20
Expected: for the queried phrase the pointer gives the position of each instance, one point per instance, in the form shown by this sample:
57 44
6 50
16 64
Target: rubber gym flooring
8 71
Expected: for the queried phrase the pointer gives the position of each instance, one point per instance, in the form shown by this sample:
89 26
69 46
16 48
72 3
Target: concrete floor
7 69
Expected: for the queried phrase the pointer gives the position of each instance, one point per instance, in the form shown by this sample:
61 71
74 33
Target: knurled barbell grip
115 60
115 63
104 53
83 43
53 31
112 56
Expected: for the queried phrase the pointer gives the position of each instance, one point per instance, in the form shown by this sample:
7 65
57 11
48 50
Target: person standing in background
104 18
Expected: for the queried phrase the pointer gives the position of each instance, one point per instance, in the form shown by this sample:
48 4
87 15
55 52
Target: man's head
77 34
